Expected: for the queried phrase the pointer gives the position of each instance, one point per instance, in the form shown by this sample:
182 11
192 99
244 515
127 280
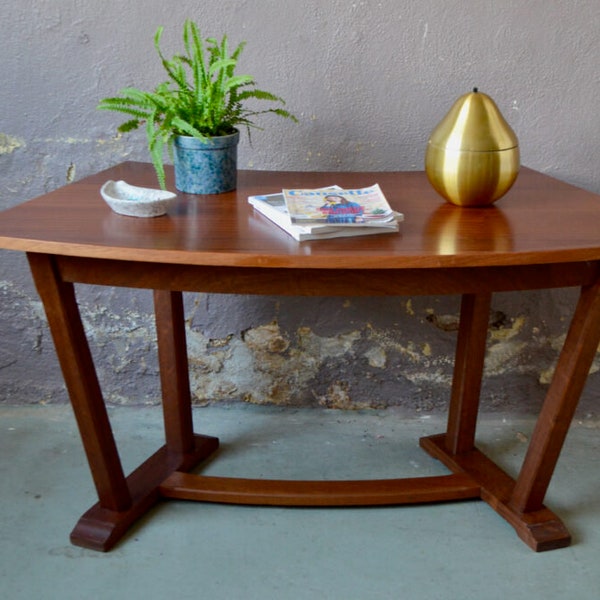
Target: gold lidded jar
472 156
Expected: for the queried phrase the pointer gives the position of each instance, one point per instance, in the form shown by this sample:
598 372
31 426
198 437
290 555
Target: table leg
561 401
174 372
121 500
468 371
82 384
520 502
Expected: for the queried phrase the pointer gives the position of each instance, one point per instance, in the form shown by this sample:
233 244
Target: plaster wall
368 80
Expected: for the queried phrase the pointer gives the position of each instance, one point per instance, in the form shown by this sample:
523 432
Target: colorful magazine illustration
359 207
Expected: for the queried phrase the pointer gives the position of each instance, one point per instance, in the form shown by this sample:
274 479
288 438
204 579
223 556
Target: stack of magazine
318 214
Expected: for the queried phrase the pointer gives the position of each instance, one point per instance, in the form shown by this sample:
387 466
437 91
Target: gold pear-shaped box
472 157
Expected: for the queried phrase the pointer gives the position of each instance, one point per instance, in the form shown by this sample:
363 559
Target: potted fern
196 114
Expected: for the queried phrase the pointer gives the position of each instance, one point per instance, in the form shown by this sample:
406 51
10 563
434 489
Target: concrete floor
186 550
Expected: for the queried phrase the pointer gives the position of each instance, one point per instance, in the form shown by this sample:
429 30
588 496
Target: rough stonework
402 357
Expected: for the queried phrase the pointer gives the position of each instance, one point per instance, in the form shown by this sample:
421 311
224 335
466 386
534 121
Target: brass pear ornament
472 157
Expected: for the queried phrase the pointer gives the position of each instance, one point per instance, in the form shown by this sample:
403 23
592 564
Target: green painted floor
185 550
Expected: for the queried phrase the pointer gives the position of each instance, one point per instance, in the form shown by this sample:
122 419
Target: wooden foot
101 528
540 529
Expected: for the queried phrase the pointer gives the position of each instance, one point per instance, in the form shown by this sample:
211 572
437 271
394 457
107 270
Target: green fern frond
202 96
129 125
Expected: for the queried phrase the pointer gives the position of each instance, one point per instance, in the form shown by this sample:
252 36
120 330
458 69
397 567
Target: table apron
324 282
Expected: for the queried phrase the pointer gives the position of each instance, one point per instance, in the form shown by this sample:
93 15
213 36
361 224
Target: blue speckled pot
206 167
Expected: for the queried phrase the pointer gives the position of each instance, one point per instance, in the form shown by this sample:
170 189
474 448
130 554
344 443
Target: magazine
340 207
273 207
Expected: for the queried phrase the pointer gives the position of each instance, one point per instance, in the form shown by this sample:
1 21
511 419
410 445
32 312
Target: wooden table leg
558 409
521 502
121 500
468 371
82 384
174 372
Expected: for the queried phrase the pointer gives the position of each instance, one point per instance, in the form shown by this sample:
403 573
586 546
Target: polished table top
541 220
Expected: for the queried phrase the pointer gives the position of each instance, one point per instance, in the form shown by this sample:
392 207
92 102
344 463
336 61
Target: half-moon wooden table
542 234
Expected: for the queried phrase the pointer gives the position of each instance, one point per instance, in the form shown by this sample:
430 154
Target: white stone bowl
134 201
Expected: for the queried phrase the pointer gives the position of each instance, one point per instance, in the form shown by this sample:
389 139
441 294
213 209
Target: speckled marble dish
134 201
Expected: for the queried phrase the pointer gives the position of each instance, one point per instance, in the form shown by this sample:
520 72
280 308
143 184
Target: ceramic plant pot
206 167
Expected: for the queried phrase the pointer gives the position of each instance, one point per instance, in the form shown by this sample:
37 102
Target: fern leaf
129 125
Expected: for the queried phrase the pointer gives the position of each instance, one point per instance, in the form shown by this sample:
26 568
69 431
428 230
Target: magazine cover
274 208
359 207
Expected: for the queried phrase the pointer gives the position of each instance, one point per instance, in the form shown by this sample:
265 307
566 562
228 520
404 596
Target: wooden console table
543 234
